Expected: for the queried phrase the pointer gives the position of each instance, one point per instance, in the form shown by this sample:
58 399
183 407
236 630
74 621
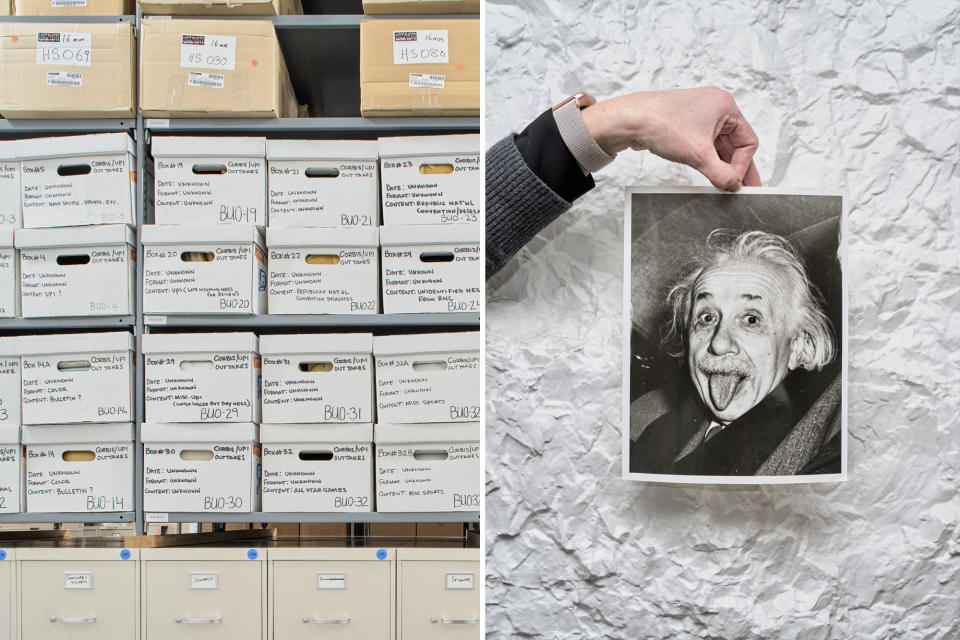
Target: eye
751 319
706 318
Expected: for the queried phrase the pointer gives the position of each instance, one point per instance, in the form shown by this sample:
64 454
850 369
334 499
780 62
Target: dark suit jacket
782 435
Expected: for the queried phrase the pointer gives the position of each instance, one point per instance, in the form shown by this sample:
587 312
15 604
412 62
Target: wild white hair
723 245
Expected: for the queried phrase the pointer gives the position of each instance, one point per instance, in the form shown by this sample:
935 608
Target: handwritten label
460 581
208 52
77 580
200 79
54 47
204 580
331 581
426 80
64 79
421 47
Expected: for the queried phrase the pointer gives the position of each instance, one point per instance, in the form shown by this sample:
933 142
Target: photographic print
735 308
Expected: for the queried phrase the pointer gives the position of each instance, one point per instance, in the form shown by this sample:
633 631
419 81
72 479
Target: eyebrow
747 296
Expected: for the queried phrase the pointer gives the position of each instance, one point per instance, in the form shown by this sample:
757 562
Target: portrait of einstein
735 336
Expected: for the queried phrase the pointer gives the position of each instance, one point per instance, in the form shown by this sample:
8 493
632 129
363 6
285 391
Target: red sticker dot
14 38
254 63
459 65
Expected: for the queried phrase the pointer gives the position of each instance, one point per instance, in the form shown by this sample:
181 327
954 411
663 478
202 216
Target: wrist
609 126
587 153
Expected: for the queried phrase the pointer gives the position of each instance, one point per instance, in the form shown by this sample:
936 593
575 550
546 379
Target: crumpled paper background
859 96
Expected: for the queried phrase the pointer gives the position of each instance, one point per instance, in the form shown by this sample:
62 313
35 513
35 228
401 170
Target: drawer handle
73 620
454 620
326 620
199 620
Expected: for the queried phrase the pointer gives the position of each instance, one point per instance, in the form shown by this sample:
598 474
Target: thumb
720 174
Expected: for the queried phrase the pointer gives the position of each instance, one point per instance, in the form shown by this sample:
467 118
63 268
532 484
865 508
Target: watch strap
585 150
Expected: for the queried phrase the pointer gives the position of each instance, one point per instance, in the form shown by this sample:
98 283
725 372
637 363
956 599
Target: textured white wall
862 96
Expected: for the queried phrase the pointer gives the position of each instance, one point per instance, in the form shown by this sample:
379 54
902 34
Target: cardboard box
440 530
201 467
9 275
78 180
74 7
428 467
77 377
9 185
71 468
313 378
63 70
431 180
432 268
213 68
10 381
324 270
317 467
210 269
428 377
220 7
11 469
323 183
418 67
201 377
76 271
324 529
210 180
417 7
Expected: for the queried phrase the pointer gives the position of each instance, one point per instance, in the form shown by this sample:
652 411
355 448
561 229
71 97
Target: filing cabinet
8 593
332 593
210 593
440 594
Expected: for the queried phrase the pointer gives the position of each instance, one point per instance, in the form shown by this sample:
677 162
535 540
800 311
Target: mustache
725 365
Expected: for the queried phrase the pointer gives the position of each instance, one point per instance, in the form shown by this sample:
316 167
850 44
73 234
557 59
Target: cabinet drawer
8 596
440 599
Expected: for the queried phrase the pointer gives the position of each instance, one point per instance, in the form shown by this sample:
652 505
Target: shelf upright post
139 527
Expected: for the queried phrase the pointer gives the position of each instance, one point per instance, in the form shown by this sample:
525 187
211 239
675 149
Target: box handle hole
79 456
436 169
196 256
73 365
73 170
316 367
196 454
429 454
80 258
209 169
316 456
196 365
436 256
322 172
322 258
431 365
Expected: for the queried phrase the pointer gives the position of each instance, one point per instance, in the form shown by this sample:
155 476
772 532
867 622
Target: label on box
209 580
421 47
64 48
340 484
337 581
347 286
347 200
200 79
9 194
459 581
64 79
77 580
77 388
412 283
68 3
236 196
202 387
223 285
220 482
9 285
427 80
156 517
9 390
10 478
208 52
341 394
102 484
409 480
412 194
429 387
98 286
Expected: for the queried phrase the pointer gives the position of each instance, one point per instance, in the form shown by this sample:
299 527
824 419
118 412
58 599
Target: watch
585 150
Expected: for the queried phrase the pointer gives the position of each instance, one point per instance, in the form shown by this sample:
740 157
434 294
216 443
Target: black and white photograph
735 370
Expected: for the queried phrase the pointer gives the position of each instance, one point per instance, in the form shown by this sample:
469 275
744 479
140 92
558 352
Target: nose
723 340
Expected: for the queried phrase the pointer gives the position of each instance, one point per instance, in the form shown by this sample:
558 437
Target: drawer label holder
336 581
460 581
77 580
204 580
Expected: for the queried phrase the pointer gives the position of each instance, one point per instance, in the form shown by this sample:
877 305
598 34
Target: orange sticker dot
254 63
14 38
459 65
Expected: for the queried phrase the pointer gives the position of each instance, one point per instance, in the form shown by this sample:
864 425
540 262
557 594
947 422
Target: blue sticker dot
3 554
125 554
381 554
252 554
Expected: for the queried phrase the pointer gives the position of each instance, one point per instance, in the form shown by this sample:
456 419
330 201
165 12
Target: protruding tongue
723 386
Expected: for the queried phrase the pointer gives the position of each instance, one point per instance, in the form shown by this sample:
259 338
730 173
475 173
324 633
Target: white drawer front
440 599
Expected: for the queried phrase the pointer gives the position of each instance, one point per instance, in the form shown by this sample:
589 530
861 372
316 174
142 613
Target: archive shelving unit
332 92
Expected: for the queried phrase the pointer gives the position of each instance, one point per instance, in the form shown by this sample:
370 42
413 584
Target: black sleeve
547 156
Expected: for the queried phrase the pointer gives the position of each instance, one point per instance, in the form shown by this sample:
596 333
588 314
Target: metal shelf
28 324
28 128
445 516
85 518
406 320
370 127
69 19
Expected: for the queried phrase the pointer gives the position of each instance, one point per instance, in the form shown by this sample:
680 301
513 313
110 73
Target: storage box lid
10 434
307 237
423 234
315 433
9 346
426 343
95 144
409 146
98 235
313 343
75 343
190 147
217 432
8 150
6 237
433 432
322 150
79 433
198 342
206 234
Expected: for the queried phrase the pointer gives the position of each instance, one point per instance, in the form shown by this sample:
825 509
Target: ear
801 351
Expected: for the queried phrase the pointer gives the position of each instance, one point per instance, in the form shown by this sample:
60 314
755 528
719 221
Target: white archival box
11 469
428 467
9 185
201 467
428 377
323 270
205 269
317 467
9 275
323 183
76 271
10 381
77 377
77 180
98 476
415 191
432 268
313 378
210 180
201 377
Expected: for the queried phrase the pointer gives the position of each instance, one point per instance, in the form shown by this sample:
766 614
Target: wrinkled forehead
735 281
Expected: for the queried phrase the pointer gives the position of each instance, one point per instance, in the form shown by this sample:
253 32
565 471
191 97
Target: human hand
702 128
